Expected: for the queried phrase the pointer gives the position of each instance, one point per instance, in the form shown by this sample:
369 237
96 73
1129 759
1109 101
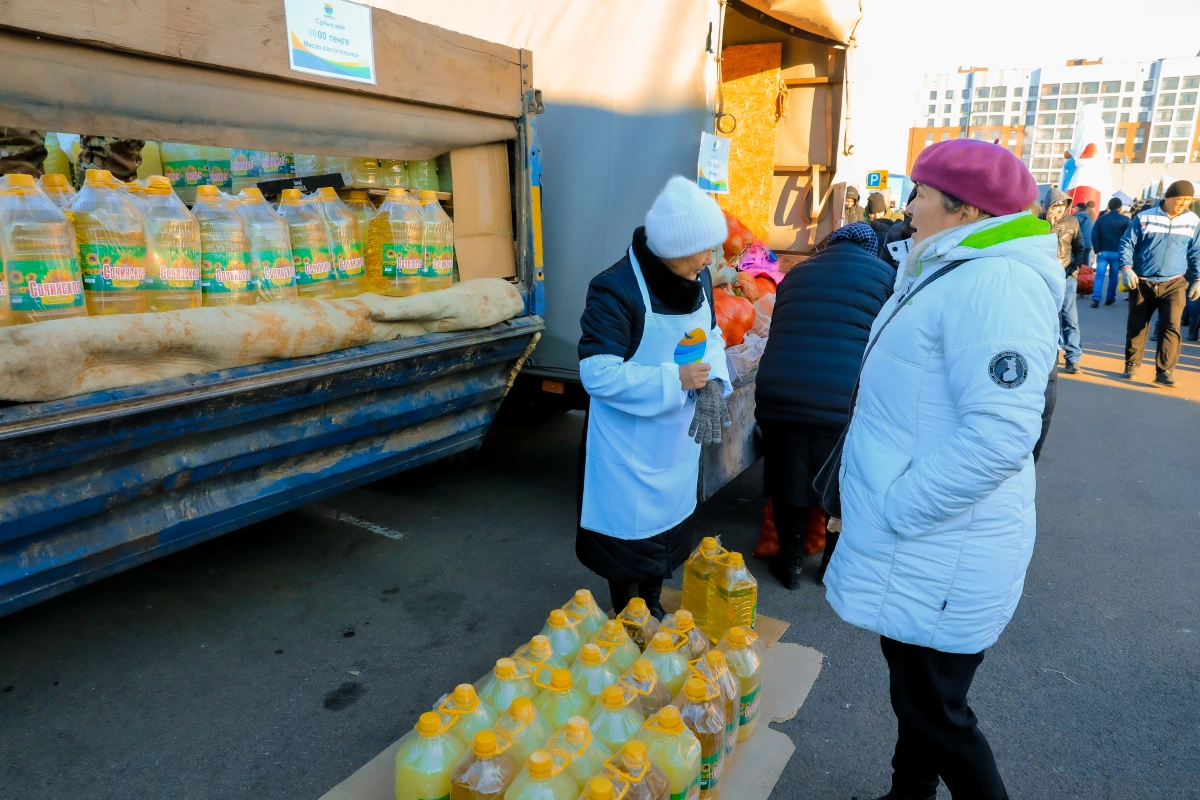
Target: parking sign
877 180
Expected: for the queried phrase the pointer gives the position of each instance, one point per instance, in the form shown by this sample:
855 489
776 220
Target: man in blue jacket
1160 261
1106 240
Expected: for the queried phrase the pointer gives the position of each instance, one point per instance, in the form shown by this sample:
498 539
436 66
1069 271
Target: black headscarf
677 295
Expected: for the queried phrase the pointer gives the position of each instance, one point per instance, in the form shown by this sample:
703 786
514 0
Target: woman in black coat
824 309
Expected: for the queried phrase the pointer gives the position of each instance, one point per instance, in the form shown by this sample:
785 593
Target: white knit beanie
684 220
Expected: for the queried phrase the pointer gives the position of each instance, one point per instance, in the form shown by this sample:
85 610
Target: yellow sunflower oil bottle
394 247
537 654
734 596
697 581
505 684
560 699
713 667
225 277
472 714
217 160
345 241
422 175
360 206
112 246
56 162
484 772
247 168
682 625
57 187
524 729
542 778
643 683
632 768
574 742
41 278
601 789
270 248
673 747
584 608
365 172
614 639
151 161
703 712
591 672
437 245
640 623
172 249
425 762
395 174
665 654
744 655
186 166
614 719
564 636
311 252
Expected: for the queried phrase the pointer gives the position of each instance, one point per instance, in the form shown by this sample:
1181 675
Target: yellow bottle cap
54 180
612 697
643 670
326 192
634 754
539 764
158 181
709 545
428 195
465 697
736 560
521 708
737 636
430 724
613 629
591 655
207 192
251 193
484 745
560 680
358 194
600 789
663 642
395 193
540 647
578 730
559 619
684 621
98 176
670 720
695 690
18 180
584 598
505 668
290 195
715 659
637 607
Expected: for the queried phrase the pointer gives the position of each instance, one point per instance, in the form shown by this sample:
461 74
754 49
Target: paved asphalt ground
273 662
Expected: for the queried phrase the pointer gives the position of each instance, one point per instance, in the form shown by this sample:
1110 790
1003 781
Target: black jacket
1108 230
614 315
882 227
1071 252
823 313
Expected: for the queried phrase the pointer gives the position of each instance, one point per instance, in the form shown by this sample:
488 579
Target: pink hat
979 173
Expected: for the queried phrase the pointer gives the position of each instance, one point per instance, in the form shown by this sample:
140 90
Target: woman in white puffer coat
937 480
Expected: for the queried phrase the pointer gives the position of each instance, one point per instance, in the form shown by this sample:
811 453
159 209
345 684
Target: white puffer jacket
937 476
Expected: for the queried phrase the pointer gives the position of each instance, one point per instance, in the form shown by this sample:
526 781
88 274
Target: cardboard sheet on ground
62 358
790 671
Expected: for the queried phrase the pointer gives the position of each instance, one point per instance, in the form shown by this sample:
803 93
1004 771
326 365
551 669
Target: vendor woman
653 361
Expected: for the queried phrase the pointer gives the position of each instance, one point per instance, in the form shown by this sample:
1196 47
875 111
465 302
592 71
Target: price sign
331 38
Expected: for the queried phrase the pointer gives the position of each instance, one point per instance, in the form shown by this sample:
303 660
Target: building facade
1148 107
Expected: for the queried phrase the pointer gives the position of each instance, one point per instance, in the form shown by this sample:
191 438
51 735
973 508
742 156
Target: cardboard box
483 231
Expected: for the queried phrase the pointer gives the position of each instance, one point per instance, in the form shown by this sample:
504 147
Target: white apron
641 472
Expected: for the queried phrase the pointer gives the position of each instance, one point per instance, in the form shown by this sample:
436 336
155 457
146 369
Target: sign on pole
877 180
330 38
714 163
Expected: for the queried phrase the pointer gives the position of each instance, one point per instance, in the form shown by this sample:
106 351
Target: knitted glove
1131 278
1194 291
711 415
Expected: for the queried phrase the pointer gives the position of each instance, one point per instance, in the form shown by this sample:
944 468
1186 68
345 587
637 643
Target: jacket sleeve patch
1008 369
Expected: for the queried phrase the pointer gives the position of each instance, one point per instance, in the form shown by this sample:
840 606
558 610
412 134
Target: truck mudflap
96 484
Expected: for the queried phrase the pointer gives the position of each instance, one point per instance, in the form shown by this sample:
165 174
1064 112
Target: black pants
1167 298
938 733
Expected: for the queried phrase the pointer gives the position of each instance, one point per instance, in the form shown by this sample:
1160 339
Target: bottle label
749 706
743 606
43 284
350 261
710 771
176 268
273 269
692 792
439 261
225 272
113 268
259 163
401 259
186 173
218 174
312 265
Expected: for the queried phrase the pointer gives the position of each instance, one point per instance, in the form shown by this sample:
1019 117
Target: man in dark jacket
1071 254
824 309
877 219
1083 213
1106 241
854 212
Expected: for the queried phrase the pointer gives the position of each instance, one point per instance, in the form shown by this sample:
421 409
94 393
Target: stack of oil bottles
631 708
117 248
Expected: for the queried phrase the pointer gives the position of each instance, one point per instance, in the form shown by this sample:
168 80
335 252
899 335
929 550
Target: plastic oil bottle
57 187
703 712
683 625
650 693
172 249
734 596
56 161
523 726
537 654
560 699
665 654
675 750
640 623
713 667
614 639
564 636
360 206
365 172
422 175
484 772
311 252
395 174
41 278
112 246
614 719
542 778
575 742
744 654
437 245
473 715
270 248
394 247
632 768
225 276
697 581
600 789
591 672
425 762
584 608
217 160
151 161
345 242
505 684
186 166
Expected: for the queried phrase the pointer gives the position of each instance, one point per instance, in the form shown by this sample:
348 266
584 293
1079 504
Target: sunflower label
42 284
312 265
401 260
113 268
173 269
350 261
274 269
225 272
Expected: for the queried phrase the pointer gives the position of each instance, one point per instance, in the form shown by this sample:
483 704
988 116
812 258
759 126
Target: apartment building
1149 110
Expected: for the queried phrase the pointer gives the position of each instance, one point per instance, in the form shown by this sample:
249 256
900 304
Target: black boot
621 594
831 540
649 591
790 522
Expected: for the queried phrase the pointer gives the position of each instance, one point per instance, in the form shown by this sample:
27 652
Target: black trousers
1167 298
938 733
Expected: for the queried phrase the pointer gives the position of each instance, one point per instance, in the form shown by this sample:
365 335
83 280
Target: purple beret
979 173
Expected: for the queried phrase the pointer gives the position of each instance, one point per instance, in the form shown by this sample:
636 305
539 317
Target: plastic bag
743 358
1086 279
814 531
764 309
